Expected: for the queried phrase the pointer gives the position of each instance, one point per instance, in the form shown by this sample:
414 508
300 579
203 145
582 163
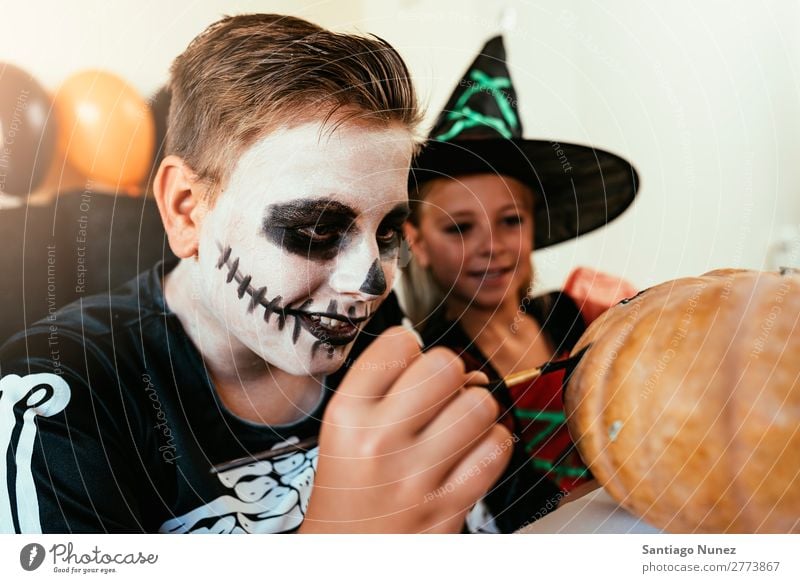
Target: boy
283 194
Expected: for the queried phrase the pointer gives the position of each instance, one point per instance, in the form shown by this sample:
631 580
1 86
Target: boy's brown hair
247 75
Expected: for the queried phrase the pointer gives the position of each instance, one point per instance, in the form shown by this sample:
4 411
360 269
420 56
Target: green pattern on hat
463 117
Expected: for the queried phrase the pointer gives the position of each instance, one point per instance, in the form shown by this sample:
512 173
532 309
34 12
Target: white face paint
301 247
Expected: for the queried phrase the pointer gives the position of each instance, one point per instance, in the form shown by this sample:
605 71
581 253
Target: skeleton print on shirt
265 497
41 395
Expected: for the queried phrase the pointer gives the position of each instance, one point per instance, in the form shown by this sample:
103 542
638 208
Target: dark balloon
27 131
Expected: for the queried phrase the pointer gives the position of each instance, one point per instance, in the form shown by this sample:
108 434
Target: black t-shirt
28 262
80 244
109 423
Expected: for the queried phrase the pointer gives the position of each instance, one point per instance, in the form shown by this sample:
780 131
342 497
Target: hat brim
578 188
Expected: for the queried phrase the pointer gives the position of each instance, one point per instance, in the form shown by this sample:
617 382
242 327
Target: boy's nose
360 272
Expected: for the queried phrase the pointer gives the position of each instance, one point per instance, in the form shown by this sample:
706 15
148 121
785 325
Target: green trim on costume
537 415
560 471
554 419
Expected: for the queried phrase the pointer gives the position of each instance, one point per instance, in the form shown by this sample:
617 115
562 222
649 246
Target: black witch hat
578 188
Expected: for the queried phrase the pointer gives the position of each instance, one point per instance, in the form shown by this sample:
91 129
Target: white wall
703 97
135 38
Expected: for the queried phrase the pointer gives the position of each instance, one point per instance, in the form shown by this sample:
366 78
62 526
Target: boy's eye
321 233
388 233
458 228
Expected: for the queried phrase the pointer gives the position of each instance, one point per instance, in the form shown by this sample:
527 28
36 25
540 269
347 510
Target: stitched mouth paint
330 327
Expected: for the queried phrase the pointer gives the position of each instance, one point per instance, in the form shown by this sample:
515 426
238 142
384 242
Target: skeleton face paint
301 247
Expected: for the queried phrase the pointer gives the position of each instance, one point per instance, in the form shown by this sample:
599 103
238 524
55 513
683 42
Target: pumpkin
686 403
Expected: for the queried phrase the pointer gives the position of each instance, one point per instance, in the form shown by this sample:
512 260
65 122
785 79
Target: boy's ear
417 244
181 202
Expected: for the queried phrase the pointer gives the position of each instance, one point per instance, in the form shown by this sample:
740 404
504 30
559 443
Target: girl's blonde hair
419 293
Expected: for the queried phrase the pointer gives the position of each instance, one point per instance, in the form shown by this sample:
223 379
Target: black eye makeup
319 228
312 228
320 234
390 232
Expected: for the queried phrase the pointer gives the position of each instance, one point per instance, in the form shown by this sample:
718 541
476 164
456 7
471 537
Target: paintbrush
548 367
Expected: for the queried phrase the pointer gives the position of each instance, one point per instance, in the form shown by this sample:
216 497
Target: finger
379 366
450 437
480 469
462 424
478 378
423 389
459 424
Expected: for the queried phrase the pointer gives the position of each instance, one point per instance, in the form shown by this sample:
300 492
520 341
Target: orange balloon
106 128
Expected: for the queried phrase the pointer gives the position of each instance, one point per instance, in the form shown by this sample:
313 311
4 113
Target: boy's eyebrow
399 213
305 211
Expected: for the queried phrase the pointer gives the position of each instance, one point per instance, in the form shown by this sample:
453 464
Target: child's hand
409 443
594 291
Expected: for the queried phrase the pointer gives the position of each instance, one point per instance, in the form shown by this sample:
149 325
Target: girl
483 198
